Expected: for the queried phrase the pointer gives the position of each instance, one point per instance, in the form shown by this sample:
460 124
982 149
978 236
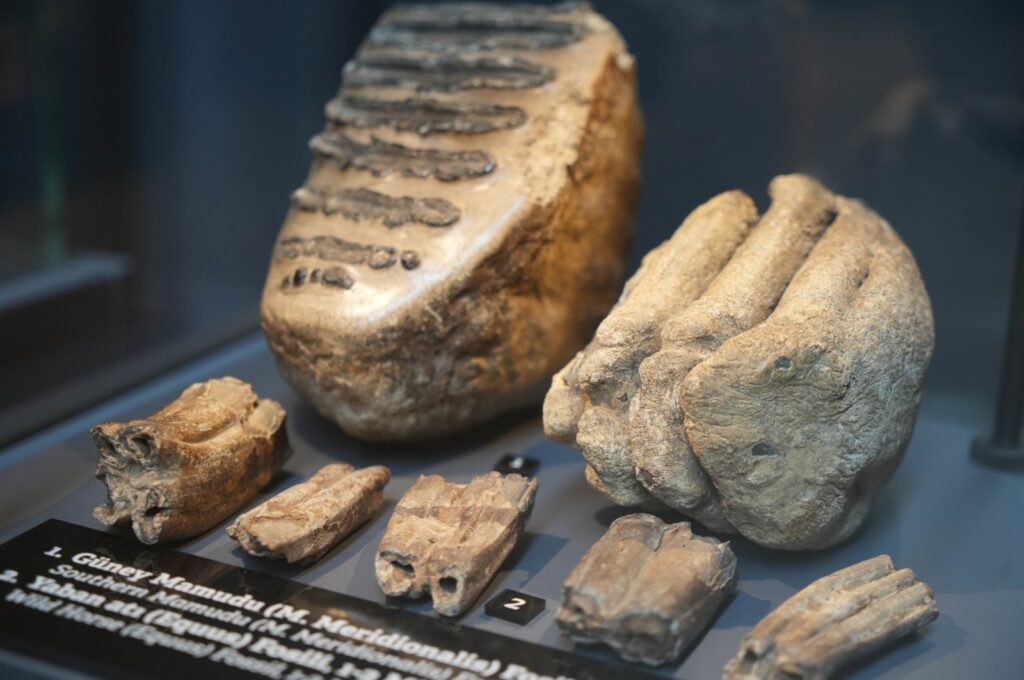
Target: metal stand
1004 447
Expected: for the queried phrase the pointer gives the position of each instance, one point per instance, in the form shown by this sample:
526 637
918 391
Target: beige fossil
835 620
189 466
759 374
305 521
448 540
464 225
647 588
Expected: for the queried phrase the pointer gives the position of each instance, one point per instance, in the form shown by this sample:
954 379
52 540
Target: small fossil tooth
191 465
647 588
833 621
448 540
304 522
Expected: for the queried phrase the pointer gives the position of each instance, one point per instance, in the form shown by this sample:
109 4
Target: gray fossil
835 620
760 374
647 588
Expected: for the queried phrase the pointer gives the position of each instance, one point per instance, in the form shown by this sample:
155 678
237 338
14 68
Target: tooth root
833 621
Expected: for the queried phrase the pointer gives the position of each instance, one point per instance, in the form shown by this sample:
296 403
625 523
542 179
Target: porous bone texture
833 621
464 225
647 588
304 522
447 540
191 465
760 374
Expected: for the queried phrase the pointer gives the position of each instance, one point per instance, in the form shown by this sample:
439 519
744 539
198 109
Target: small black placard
108 606
511 605
513 462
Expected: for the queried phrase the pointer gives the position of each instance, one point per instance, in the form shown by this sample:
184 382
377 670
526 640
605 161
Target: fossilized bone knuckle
646 588
464 225
190 465
448 540
833 621
778 383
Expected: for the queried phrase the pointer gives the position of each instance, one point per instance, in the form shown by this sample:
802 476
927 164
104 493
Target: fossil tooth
305 521
833 621
760 375
447 540
647 588
192 464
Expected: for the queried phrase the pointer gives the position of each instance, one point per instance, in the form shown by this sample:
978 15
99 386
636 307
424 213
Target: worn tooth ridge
337 249
382 158
447 73
424 115
835 620
359 204
647 588
453 26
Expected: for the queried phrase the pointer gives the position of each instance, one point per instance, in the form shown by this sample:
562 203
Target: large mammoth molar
759 374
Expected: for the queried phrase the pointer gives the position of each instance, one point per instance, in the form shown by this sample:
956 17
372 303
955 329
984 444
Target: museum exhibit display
647 588
304 522
761 375
491 340
464 225
189 466
833 621
447 540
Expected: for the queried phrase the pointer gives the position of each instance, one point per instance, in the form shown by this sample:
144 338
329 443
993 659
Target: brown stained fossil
360 204
477 26
460 342
189 466
382 158
647 589
423 115
445 73
834 621
305 521
448 540
760 374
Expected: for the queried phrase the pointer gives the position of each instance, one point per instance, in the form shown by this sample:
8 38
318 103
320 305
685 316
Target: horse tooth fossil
305 521
647 588
835 620
447 540
192 464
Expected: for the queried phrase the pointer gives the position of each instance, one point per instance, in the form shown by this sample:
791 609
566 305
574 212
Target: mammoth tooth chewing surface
647 588
759 374
189 466
463 228
447 540
835 620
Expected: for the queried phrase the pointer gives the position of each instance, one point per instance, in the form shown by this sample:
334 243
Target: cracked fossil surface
647 588
835 620
464 225
447 540
192 464
760 374
302 523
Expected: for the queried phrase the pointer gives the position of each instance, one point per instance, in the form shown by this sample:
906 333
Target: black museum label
110 606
